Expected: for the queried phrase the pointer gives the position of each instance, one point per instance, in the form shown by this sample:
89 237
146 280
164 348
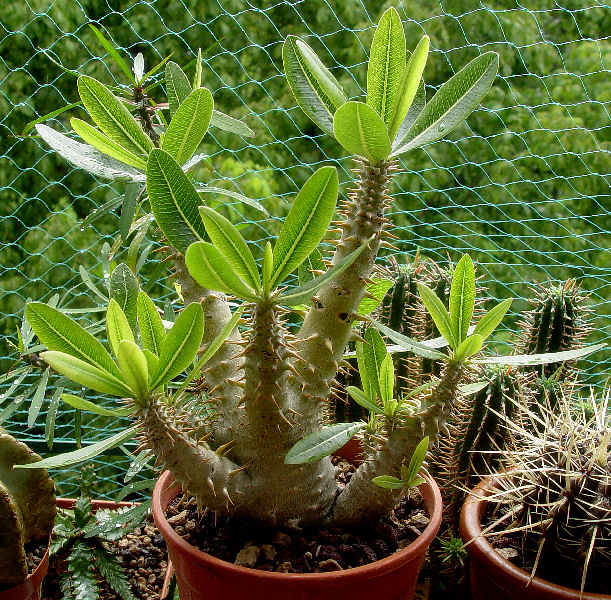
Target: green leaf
231 244
489 322
129 203
307 222
409 86
134 368
540 359
177 86
152 331
87 157
174 201
209 189
322 443
415 463
374 352
117 327
152 360
468 347
415 109
378 288
181 345
388 482
37 399
83 404
48 116
113 53
266 271
104 144
227 123
439 314
111 569
387 379
197 76
316 90
386 65
59 332
360 130
453 103
79 581
210 269
189 125
303 294
87 453
364 400
124 290
314 262
419 348
111 116
462 298
85 373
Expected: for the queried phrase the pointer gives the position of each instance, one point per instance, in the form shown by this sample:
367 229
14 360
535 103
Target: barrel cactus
27 508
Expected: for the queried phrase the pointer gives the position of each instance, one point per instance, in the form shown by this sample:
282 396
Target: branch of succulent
555 489
27 508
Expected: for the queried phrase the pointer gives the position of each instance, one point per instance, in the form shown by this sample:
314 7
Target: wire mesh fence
523 185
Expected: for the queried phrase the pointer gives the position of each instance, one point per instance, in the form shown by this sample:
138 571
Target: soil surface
307 551
144 557
34 553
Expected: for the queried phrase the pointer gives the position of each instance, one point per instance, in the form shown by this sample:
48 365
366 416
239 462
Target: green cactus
27 508
557 486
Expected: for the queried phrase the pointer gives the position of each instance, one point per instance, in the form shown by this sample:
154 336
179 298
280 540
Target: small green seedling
409 475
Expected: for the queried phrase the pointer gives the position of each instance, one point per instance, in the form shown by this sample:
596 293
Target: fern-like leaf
80 582
111 570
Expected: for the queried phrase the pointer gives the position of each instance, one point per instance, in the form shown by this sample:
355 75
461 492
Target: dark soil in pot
34 553
307 551
143 555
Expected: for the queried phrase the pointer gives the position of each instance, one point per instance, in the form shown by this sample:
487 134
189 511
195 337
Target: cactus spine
27 508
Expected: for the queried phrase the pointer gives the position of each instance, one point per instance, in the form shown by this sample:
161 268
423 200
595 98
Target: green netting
523 186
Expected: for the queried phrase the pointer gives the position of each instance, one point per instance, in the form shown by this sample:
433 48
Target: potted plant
242 432
552 501
27 514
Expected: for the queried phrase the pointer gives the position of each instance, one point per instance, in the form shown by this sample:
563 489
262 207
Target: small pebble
284 567
281 539
329 565
247 556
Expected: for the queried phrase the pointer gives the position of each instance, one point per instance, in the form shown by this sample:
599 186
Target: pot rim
480 550
433 504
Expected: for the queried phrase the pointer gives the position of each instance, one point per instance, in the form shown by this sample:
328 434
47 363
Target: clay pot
30 588
201 576
492 576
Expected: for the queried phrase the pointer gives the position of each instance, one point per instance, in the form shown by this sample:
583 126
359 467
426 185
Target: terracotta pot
201 576
68 504
30 588
492 576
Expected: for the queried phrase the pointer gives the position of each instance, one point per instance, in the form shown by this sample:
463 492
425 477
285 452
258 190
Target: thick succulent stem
362 500
328 325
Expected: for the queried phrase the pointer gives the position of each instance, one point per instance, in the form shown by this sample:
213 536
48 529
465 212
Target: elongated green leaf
85 373
468 347
387 379
59 332
306 223
489 322
104 144
152 361
124 290
408 86
177 86
111 116
227 123
388 482
112 51
316 90
48 116
374 352
266 271
415 463
322 443
209 189
231 244
210 268
453 103
87 157
152 332
314 262
304 293
386 65
188 125
439 314
134 368
181 345
415 109
89 283
377 289
462 298
129 203
539 359
174 201
408 343
83 404
37 399
360 130
117 326
86 453
360 397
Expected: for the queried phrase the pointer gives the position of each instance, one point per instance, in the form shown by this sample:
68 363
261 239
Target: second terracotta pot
492 576
203 577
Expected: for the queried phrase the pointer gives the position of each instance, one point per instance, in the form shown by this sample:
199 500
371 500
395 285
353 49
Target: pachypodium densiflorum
269 386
